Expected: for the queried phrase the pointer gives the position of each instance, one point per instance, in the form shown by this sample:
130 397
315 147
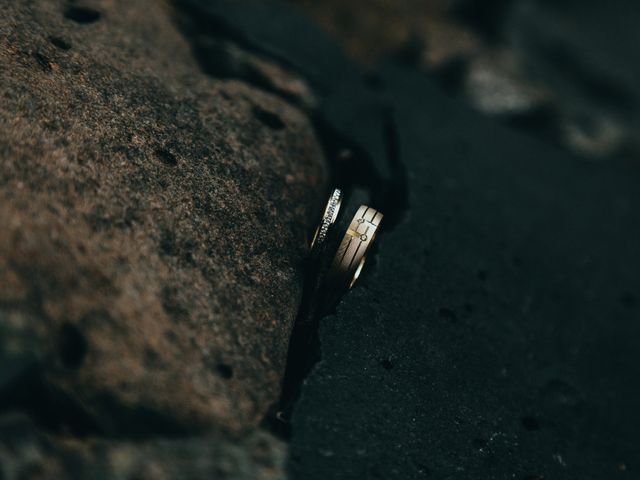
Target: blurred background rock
567 70
160 169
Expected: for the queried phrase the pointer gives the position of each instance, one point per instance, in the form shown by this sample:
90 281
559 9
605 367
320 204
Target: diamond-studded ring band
328 218
352 252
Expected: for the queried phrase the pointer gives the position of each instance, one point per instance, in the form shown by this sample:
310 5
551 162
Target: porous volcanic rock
493 334
153 220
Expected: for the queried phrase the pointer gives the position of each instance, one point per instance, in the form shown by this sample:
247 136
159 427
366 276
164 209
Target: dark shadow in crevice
226 52
349 168
349 172
396 201
223 59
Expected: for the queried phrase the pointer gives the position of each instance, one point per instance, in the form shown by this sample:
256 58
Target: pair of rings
352 252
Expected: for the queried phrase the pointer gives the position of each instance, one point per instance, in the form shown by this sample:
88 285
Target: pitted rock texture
153 219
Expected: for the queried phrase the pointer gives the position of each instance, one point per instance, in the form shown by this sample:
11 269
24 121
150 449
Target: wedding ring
328 218
352 252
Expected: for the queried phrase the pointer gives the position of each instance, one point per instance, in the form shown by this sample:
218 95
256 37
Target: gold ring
352 252
328 218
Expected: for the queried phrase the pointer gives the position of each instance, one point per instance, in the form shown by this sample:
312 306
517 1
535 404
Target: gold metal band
329 217
352 252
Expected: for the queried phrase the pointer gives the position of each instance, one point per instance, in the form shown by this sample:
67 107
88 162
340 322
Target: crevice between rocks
390 196
229 54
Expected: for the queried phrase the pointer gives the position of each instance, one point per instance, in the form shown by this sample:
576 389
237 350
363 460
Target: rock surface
495 334
26 453
153 225
492 335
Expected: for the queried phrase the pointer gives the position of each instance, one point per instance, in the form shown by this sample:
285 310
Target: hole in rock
268 118
151 358
72 346
166 157
60 43
82 14
168 243
172 302
224 370
42 61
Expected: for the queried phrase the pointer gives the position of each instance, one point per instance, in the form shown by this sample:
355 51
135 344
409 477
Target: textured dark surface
496 335
494 332
154 223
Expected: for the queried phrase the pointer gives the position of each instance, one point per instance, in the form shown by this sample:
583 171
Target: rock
27 453
350 114
496 85
494 331
584 53
494 334
154 221
370 30
224 58
564 71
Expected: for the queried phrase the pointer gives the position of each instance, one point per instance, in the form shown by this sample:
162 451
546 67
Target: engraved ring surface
328 218
352 252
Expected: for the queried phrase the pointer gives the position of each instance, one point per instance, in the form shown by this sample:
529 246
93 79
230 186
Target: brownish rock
153 219
27 453
371 30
